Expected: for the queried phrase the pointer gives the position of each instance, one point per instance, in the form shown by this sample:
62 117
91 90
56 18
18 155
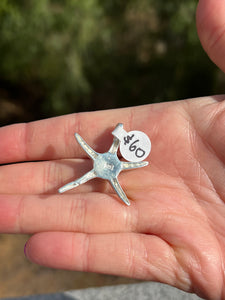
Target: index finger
54 138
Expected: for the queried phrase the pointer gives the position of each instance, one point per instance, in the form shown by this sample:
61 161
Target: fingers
54 138
211 29
43 177
94 212
132 255
100 212
48 176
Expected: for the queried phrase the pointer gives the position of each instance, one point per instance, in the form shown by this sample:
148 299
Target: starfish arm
115 145
88 176
133 165
90 152
115 184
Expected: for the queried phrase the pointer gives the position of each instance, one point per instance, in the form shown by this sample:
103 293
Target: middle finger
44 177
48 176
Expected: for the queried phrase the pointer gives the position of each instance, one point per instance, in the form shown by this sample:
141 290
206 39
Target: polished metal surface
106 166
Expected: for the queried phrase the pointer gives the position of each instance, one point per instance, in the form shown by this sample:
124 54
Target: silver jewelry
106 166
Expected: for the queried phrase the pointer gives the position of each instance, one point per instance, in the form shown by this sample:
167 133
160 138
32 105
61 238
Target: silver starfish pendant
106 166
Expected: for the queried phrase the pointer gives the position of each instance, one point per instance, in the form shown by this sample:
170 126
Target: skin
174 230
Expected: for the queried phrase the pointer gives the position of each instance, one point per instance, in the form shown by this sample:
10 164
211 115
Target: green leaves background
60 56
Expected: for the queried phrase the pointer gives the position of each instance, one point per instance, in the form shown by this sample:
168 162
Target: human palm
173 231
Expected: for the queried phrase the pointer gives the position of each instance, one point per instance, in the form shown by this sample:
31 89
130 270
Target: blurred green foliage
63 56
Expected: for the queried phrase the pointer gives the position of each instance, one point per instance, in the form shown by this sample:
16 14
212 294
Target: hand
174 230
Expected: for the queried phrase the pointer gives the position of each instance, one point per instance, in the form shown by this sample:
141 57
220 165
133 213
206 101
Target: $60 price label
135 145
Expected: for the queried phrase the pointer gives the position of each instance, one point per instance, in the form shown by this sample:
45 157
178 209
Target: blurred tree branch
63 56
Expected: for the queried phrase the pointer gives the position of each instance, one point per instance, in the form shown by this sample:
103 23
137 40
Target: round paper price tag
135 146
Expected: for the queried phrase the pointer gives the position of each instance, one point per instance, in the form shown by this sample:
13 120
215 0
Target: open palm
174 229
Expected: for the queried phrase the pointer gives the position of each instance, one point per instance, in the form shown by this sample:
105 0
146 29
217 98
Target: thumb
211 29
